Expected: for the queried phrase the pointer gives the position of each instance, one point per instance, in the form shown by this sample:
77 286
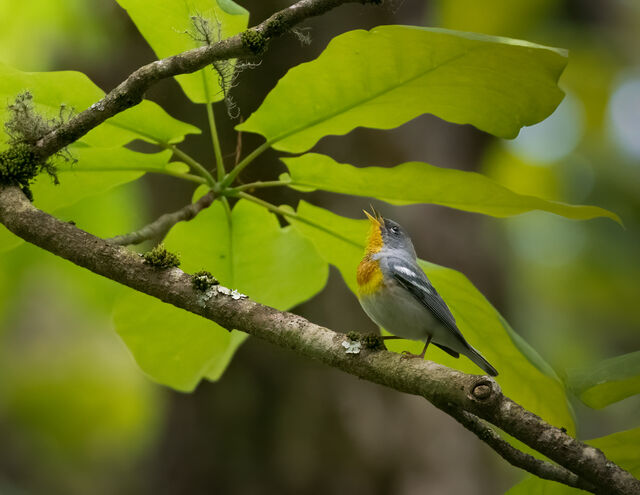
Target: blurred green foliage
71 400
36 33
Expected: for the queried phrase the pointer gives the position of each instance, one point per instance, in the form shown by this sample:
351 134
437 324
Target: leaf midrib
368 99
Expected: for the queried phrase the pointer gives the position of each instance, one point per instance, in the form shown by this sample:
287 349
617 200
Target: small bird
397 295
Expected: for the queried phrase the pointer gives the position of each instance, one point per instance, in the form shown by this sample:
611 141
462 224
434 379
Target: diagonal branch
131 91
516 457
443 387
162 225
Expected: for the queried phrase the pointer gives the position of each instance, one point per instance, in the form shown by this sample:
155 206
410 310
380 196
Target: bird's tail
477 358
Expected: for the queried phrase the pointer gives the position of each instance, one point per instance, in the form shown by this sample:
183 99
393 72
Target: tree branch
443 387
515 457
131 91
159 227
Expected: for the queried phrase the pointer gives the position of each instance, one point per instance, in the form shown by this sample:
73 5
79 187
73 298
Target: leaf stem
227 213
292 214
246 161
259 185
198 167
217 150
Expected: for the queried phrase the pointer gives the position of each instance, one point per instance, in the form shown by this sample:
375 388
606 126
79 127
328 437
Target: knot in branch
483 390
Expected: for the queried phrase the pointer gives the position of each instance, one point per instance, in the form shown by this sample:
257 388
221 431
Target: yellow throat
369 276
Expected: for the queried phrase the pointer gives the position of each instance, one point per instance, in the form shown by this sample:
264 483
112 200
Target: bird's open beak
376 218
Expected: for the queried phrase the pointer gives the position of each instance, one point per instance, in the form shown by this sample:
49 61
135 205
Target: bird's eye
395 230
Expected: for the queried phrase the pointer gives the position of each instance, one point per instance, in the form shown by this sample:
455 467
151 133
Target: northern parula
397 295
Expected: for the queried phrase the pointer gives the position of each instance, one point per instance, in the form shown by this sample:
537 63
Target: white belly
399 313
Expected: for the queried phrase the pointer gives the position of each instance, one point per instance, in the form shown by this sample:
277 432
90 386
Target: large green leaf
246 250
174 347
417 182
607 382
520 378
621 448
387 76
147 121
169 28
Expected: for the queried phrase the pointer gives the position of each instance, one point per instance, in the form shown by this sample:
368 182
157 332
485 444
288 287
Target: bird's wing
416 282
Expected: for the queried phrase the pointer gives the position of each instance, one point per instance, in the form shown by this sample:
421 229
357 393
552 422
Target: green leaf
387 76
97 170
146 121
246 250
479 321
169 28
607 382
417 182
621 448
174 347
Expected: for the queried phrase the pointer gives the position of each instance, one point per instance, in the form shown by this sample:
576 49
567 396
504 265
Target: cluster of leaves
381 79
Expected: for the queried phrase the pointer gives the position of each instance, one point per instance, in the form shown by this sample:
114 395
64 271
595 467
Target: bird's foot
411 355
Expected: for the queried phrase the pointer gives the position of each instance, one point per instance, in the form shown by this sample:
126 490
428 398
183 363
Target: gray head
395 237
386 234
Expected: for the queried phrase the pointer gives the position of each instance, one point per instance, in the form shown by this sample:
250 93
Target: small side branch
515 457
159 228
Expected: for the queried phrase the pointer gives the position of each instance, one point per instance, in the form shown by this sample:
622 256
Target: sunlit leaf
175 26
621 448
387 76
520 378
246 250
609 381
173 346
417 182
146 121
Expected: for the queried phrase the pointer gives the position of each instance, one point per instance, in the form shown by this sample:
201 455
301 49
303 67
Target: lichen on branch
20 164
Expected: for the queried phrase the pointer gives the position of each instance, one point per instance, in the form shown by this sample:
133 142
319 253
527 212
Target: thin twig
159 228
193 163
228 180
260 185
238 152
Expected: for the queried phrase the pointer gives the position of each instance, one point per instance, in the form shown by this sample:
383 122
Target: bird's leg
389 337
409 355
